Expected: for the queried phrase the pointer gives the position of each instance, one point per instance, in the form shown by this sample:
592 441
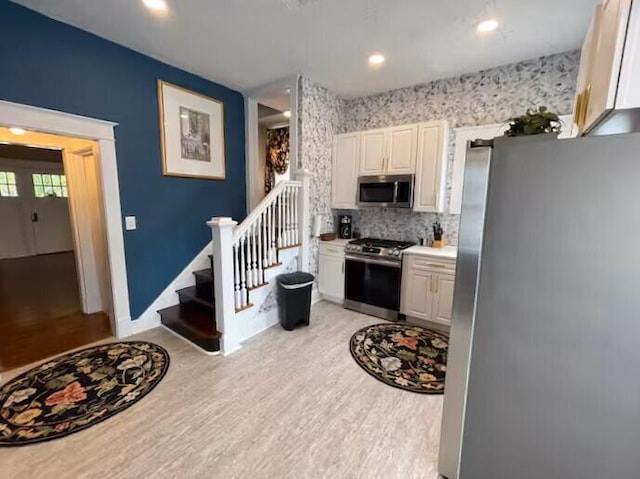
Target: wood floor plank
287 405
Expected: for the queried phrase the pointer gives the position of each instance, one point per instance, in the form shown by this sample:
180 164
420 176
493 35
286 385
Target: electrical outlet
130 223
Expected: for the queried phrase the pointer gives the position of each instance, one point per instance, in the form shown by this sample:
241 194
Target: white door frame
55 122
252 98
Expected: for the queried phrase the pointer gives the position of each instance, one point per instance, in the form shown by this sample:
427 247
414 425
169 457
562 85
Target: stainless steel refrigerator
543 378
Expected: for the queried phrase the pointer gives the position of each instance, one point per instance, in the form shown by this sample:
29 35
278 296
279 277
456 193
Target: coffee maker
345 229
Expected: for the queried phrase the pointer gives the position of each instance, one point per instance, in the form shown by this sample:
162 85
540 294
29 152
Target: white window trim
59 123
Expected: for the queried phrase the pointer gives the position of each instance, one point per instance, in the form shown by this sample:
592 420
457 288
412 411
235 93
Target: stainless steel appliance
373 271
392 191
542 378
345 227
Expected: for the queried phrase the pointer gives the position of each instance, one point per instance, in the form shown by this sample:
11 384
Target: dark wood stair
195 317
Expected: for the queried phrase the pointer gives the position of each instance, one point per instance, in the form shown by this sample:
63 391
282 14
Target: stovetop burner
381 243
377 247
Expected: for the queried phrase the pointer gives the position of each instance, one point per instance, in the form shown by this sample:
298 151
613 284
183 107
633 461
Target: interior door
403 145
16 238
50 212
373 152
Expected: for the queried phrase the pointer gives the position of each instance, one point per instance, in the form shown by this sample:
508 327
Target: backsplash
486 97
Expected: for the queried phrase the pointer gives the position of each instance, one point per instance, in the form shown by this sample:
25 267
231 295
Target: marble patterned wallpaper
320 115
490 96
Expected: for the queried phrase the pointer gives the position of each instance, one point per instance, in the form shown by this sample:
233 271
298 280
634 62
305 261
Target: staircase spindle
296 235
248 264
272 237
254 245
243 273
236 278
291 206
285 218
260 250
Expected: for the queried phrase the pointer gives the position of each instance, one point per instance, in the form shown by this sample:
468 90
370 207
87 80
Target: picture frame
191 133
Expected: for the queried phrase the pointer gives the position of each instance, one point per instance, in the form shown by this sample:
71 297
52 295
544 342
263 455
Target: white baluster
243 277
260 250
236 277
279 214
296 198
285 236
272 229
249 265
254 245
289 222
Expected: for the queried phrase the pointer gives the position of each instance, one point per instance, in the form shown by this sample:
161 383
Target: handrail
243 227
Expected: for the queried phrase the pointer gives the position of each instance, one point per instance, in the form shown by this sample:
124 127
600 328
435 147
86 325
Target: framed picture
191 133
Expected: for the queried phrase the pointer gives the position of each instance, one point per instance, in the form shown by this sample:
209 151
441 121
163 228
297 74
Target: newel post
223 280
304 219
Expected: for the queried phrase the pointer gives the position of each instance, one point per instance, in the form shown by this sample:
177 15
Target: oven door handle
379 262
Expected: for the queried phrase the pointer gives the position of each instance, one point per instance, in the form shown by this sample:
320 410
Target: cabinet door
344 181
331 276
373 152
403 146
431 167
443 298
606 60
418 295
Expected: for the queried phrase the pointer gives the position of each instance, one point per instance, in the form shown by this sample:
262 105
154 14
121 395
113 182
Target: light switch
130 223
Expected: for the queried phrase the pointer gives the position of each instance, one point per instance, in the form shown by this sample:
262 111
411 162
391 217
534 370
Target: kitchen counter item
328 236
448 252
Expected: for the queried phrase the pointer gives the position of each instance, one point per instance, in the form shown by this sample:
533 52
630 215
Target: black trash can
294 299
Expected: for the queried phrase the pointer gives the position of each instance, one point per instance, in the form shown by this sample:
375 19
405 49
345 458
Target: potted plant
535 122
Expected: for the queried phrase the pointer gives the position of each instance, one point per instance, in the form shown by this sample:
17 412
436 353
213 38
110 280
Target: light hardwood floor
288 405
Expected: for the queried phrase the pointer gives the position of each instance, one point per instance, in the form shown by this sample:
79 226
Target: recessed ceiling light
376 59
17 131
488 25
287 113
156 5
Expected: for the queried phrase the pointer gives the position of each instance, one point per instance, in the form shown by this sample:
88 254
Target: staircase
214 312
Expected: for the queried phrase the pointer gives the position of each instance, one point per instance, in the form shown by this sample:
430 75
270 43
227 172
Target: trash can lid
291 279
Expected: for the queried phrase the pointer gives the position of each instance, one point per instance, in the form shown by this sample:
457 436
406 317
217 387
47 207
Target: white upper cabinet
346 161
389 151
402 150
373 152
608 99
431 166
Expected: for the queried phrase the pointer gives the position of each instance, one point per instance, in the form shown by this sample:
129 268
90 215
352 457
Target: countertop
448 252
335 242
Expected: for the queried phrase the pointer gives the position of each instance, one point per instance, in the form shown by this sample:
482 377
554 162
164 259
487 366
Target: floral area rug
78 390
403 356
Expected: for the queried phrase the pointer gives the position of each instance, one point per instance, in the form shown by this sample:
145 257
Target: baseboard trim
208 353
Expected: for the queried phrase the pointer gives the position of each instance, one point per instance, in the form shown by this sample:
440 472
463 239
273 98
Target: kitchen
553 269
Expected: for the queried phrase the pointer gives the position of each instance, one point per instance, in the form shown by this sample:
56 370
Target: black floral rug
403 356
78 390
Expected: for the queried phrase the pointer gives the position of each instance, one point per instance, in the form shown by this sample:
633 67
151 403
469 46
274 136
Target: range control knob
396 252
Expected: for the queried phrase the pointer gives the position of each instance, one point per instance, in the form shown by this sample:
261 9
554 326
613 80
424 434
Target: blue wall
48 64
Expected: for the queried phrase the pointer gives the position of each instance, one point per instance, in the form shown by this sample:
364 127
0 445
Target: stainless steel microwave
391 191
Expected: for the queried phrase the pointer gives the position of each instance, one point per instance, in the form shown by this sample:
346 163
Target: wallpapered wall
319 117
486 97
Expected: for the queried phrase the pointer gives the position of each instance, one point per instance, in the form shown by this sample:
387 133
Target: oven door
372 285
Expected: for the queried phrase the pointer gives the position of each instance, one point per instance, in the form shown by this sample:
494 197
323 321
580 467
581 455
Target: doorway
54 277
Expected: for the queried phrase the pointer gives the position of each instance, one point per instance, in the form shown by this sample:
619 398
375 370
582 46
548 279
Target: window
8 186
46 185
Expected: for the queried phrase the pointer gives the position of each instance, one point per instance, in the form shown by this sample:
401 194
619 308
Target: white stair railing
242 253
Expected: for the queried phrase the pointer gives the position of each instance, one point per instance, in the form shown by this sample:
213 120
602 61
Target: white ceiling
247 43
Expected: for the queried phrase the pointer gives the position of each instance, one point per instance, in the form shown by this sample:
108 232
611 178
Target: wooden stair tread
191 293
259 286
193 324
205 273
290 247
244 308
273 266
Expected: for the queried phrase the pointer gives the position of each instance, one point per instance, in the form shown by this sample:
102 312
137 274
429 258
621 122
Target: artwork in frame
191 133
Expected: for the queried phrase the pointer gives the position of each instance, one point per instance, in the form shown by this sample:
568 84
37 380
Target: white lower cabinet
427 288
331 272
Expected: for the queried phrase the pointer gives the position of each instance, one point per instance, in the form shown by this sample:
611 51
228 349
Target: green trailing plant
534 122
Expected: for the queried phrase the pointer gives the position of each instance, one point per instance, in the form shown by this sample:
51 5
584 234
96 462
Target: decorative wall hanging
277 156
191 132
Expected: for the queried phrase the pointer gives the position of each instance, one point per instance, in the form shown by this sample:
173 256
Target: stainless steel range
373 274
